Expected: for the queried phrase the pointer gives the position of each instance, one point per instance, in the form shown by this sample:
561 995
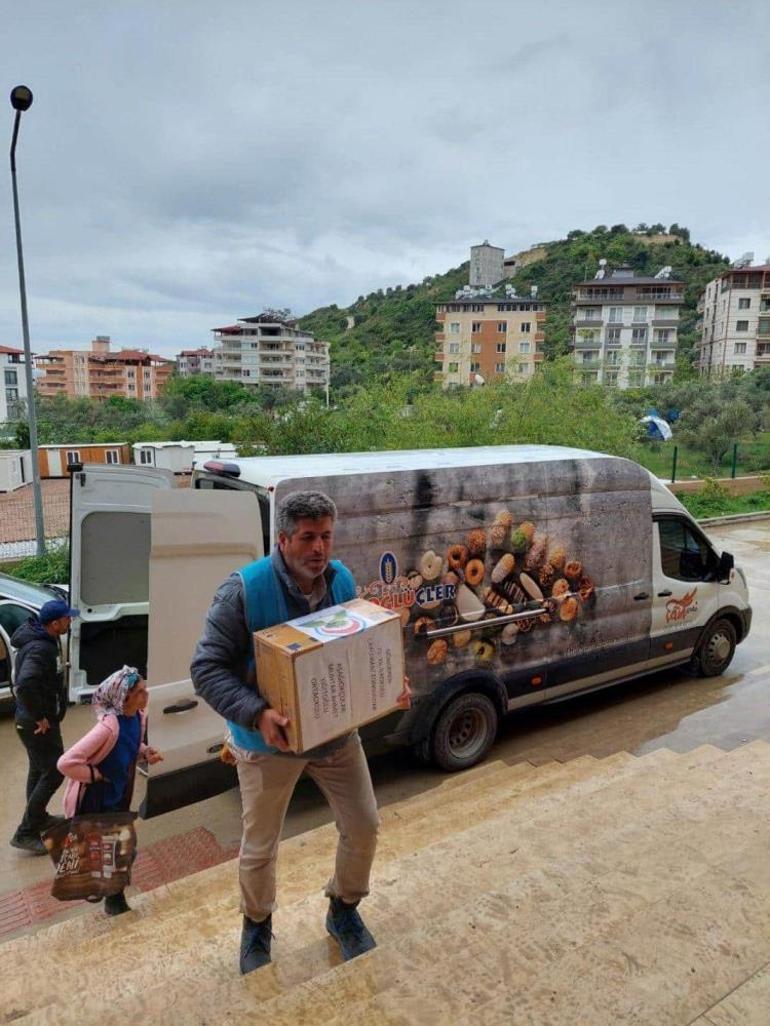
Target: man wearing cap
40 707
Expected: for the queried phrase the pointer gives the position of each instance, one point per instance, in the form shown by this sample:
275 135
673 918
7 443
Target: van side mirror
726 564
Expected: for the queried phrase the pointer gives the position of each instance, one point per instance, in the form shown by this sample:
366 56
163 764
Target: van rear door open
198 539
109 570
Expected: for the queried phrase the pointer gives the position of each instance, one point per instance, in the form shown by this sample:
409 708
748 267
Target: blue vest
265 603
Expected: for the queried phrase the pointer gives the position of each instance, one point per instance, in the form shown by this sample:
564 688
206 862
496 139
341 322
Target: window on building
453 368
454 327
476 327
616 315
11 377
526 327
639 335
613 336
145 457
501 347
744 304
11 395
475 367
742 326
610 377
499 368
523 368
476 347
525 347
589 336
640 313
111 456
662 334
454 348
613 359
73 456
763 326
740 348
502 327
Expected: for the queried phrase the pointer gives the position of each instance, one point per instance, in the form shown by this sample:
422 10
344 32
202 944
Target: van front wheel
464 731
716 649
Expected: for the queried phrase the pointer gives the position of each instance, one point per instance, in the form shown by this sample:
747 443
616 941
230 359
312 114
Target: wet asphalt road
668 709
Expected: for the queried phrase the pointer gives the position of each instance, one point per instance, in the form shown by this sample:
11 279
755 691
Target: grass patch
52 568
714 501
753 458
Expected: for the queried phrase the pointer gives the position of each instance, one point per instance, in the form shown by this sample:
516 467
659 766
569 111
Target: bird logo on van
678 609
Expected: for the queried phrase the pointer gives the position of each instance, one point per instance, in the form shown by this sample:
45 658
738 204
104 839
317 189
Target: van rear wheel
716 649
464 731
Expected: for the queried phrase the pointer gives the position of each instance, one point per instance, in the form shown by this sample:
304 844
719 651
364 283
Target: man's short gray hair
302 505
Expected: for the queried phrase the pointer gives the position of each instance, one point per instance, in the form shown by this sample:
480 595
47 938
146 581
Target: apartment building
99 373
735 321
489 334
486 265
13 383
195 361
624 327
270 350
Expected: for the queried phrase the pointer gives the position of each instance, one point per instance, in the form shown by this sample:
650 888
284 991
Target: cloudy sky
186 163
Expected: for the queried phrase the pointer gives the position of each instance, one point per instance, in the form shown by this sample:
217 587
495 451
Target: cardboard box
331 671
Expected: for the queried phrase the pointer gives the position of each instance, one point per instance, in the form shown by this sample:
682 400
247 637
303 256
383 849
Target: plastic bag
93 854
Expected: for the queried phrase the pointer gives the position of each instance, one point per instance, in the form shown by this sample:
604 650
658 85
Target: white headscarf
111 693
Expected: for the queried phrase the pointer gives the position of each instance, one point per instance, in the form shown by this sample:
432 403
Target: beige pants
267 784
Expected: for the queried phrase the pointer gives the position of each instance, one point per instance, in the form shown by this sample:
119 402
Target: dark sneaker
255 944
30 843
116 904
347 927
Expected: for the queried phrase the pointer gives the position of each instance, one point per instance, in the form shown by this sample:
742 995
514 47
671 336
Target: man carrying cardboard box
299 577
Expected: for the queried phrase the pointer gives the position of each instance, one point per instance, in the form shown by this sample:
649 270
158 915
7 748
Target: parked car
18 601
522 574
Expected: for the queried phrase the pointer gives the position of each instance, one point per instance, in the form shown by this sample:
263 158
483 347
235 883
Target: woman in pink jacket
100 768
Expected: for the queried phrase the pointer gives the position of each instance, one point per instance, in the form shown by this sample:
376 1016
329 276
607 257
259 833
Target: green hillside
393 328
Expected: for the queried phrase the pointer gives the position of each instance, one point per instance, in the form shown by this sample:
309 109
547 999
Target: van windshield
215 483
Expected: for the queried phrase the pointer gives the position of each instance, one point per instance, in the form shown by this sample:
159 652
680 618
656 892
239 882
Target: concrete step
317 999
222 878
747 1005
179 919
685 765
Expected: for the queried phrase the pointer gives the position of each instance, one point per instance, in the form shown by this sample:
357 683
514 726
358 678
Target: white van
523 575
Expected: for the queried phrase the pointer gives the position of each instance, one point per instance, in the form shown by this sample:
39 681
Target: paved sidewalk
159 863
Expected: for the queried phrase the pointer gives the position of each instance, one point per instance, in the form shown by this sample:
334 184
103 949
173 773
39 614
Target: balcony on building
586 343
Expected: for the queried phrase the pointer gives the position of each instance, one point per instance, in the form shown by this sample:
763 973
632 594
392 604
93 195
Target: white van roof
267 471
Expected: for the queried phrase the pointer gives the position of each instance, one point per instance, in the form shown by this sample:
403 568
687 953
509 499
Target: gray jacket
220 667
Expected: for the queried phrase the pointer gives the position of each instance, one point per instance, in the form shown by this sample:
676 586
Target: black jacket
38 686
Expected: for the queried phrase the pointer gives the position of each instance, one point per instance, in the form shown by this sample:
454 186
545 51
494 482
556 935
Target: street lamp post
21 100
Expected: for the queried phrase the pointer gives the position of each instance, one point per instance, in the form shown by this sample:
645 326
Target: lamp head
21 97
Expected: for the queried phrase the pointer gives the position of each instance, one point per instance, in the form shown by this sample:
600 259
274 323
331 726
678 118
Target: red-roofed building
271 350
195 361
13 383
99 373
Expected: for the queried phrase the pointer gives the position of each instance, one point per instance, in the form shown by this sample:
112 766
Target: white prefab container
174 456
15 469
180 457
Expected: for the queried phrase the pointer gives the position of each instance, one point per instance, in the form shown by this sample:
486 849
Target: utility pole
21 100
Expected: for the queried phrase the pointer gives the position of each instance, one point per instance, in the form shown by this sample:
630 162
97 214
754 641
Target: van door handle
641 596
665 594
184 706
